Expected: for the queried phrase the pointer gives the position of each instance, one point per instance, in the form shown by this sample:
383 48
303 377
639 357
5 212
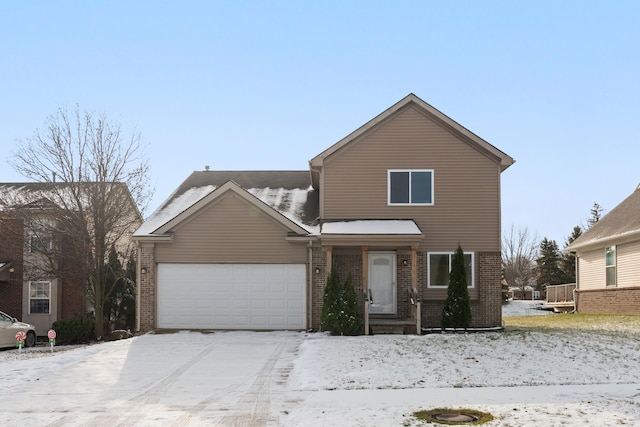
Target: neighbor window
410 187
439 266
610 265
39 297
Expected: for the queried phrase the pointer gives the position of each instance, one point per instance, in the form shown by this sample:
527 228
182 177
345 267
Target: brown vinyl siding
467 182
231 230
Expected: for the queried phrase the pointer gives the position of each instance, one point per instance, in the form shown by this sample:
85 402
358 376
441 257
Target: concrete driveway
222 379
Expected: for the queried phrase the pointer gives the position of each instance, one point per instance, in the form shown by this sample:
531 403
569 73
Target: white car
9 327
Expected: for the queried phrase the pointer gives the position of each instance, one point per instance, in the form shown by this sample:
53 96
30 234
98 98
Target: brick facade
318 283
11 285
146 288
486 311
610 301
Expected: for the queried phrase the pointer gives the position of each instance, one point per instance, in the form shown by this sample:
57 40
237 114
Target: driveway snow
299 379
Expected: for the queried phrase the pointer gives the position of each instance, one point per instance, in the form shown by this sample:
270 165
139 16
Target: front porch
386 283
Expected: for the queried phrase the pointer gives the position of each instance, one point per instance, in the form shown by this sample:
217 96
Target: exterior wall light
317 270
143 270
405 262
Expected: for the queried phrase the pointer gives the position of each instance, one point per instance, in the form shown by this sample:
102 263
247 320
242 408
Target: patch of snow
297 379
167 212
524 308
371 227
289 202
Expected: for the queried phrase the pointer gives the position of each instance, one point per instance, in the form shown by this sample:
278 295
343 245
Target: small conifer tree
456 312
350 319
340 314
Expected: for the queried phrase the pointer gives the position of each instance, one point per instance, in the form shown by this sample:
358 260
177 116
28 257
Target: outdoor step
387 329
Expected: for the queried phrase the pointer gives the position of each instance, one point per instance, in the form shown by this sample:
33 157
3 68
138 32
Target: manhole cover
456 417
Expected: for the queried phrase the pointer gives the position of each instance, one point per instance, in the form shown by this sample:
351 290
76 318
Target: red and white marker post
52 338
20 337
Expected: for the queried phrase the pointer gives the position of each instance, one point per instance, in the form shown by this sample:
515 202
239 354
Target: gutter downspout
575 290
310 297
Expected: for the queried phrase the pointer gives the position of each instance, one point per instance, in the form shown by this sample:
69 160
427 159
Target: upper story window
39 297
40 239
410 187
610 265
439 267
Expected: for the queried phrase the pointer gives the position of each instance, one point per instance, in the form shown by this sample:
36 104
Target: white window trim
613 266
32 298
433 197
473 269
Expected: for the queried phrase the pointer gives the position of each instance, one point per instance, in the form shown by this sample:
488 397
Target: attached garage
231 296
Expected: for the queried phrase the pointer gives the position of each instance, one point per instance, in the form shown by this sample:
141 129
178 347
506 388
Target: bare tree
94 185
519 253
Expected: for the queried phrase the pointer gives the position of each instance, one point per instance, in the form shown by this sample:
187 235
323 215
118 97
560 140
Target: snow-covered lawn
555 378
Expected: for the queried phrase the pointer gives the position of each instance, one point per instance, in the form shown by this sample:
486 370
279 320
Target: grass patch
482 417
575 321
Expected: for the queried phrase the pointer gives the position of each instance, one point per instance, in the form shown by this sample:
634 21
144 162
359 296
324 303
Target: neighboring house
608 261
529 293
389 204
31 248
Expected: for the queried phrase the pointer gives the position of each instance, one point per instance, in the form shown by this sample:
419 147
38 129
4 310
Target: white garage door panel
231 296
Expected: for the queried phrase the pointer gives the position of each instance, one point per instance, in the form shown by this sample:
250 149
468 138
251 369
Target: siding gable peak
316 163
164 220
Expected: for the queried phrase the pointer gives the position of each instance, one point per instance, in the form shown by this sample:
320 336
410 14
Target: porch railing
560 294
415 308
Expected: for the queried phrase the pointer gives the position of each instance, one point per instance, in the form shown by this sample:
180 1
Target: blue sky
270 84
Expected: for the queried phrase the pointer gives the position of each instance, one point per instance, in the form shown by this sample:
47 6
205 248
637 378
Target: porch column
329 259
365 286
414 265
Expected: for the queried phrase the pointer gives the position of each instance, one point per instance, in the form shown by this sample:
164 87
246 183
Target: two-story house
389 203
41 280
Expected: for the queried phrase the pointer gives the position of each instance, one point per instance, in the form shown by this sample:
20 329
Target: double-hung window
439 267
39 297
610 265
410 187
41 240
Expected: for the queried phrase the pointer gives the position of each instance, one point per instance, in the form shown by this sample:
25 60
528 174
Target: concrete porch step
386 329
392 326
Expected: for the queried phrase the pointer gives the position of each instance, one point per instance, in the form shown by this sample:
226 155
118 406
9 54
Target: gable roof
50 195
444 120
622 222
287 196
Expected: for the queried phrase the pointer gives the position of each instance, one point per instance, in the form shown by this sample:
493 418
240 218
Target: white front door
382 282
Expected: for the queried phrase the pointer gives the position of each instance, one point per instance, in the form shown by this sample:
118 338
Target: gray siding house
388 204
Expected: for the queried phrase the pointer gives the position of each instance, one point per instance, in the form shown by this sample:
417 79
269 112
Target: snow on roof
169 210
372 226
288 202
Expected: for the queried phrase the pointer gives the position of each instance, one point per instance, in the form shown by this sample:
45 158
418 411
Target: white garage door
231 296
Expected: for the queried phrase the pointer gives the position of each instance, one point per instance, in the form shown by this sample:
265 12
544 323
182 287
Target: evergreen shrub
340 314
74 331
